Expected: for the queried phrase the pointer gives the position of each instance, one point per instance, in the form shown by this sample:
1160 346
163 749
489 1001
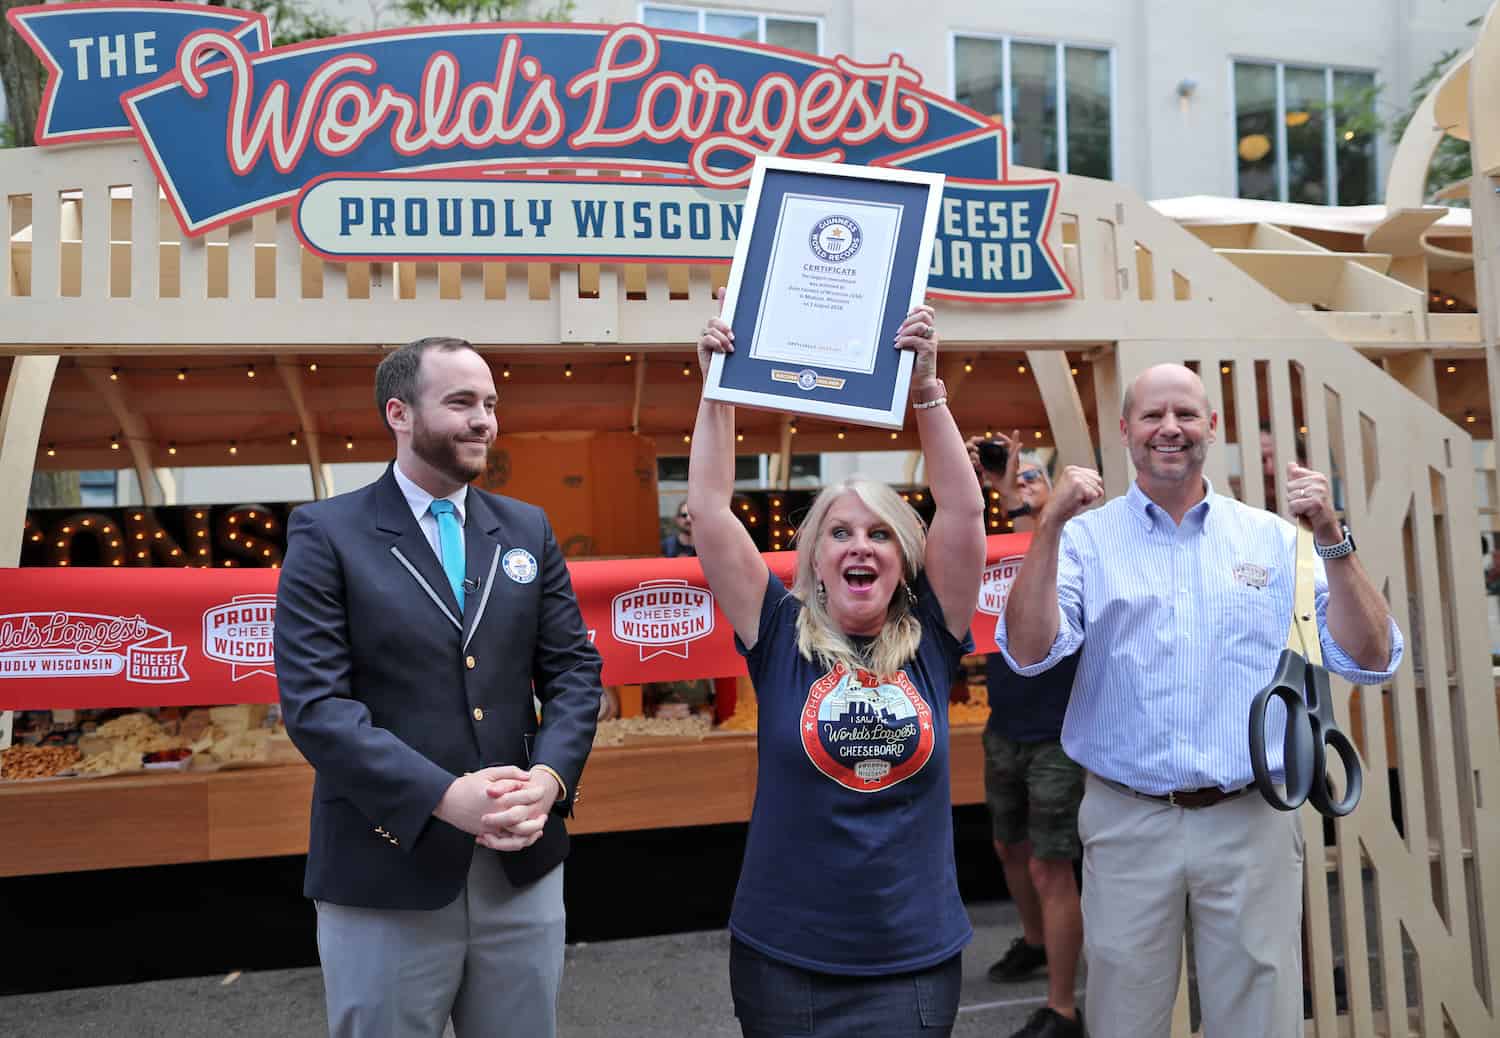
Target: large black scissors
1301 683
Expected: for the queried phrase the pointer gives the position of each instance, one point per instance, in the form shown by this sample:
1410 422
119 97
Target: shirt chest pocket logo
1254 613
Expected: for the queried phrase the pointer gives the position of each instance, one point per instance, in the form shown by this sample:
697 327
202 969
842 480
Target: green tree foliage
1450 162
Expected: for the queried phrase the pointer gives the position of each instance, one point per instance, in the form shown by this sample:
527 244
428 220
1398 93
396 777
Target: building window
96 488
804 34
1056 99
1304 134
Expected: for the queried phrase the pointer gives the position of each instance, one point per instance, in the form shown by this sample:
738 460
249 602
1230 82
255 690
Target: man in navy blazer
416 618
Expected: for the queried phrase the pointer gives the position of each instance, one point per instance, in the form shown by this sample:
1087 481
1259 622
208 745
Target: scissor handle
1301 756
1354 780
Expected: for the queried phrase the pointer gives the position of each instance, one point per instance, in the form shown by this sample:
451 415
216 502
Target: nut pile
33 762
614 733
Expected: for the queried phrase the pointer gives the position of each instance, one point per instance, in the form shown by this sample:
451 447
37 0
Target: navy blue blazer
391 692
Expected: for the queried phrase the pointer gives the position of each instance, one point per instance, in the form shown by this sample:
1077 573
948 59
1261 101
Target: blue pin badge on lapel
519 565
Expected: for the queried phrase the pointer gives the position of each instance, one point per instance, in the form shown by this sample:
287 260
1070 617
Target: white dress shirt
420 501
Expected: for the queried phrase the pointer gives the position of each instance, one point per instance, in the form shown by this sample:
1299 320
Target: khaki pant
1237 867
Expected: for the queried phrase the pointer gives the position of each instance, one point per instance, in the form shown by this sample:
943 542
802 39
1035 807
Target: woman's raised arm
735 570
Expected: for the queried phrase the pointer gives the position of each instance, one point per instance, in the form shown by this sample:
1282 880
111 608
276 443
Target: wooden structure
1340 332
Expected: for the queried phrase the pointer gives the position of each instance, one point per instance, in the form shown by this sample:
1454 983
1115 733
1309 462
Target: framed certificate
829 261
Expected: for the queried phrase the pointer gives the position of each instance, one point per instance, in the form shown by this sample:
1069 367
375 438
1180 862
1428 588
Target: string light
842 432
1223 369
1038 434
739 437
51 450
968 365
349 444
182 374
1452 369
250 371
114 443
292 439
895 435
687 437
567 371
171 446
687 369
629 357
233 447
1020 369
312 366
114 374
1469 417
505 371
1073 370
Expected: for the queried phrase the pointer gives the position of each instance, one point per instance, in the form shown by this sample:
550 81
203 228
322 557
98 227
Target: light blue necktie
451 545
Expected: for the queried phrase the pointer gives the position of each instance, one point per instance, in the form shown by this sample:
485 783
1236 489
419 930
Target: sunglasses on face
1029 475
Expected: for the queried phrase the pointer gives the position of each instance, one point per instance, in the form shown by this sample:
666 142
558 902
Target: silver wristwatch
1339 550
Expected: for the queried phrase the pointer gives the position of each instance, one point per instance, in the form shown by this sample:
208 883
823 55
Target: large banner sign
441 112
89 637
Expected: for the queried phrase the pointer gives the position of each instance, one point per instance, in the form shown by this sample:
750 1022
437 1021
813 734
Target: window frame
760 19
1330 133
1060 51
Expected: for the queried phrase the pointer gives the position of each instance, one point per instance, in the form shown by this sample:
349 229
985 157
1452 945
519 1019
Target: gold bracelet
931 403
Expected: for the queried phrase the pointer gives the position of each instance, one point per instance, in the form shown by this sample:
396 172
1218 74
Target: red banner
77 637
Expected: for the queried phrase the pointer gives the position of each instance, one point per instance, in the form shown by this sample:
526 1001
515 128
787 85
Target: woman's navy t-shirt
849 861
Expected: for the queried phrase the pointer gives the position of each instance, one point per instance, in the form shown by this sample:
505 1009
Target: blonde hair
818 637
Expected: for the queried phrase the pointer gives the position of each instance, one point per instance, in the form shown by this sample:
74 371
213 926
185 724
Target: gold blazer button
478 714
469 662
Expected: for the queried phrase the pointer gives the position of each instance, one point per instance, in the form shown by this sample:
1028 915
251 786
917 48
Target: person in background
1032 787
847 920
1180 599
680 541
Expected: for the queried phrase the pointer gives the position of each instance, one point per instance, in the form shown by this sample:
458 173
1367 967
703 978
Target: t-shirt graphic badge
866 733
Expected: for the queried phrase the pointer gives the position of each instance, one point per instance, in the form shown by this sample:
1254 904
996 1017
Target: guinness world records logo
835 239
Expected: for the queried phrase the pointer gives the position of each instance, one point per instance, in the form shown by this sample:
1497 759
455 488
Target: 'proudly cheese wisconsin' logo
995 583
662 617
65 644
239 633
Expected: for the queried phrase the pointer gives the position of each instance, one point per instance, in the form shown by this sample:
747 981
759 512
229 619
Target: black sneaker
1049 1023
1020 961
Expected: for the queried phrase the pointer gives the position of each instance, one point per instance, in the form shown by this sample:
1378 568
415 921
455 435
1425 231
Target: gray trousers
492 960
1237 868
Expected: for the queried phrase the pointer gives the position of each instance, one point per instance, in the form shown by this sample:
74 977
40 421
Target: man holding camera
1031 786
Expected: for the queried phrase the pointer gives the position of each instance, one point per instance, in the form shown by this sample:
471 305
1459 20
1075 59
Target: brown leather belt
1191 799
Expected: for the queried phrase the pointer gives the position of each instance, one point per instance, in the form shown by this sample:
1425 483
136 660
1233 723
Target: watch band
1339 550
1016 513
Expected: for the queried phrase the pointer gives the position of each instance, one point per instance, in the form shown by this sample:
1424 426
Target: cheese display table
147 818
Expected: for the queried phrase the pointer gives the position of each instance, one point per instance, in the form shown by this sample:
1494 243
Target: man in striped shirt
1180 600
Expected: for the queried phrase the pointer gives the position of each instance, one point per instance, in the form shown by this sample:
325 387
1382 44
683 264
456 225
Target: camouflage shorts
1033 790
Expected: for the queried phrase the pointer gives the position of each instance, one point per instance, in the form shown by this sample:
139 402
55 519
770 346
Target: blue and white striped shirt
1178 638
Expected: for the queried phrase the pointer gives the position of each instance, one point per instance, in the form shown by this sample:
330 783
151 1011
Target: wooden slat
94 273
1216 466
46 226
240 286
145 236
1247 421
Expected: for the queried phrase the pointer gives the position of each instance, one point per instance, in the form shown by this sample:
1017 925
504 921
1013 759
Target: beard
442 454
1194 455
